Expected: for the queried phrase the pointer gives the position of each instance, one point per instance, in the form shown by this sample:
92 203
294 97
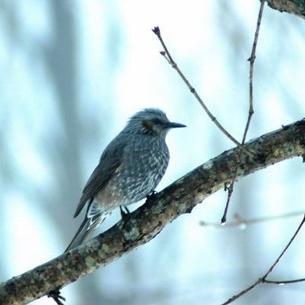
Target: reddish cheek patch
147 125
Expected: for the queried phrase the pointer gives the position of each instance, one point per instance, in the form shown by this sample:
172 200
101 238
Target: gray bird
129 169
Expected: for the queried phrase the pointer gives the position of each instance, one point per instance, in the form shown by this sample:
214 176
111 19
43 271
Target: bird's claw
151 195
125 213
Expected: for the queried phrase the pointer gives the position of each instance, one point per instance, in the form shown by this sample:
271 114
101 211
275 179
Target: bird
129 169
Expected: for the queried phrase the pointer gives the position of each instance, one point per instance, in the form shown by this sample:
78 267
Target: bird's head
151 121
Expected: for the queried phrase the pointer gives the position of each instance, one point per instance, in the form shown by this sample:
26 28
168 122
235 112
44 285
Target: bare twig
230 190
284 282
242 222
57 297
229 187
263 279
251 60
166 54
284 250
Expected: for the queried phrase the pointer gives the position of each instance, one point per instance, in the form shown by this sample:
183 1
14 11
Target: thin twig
229 188
263 279
166 54
57 297
239 221
251 60
285 249
284 282
236 296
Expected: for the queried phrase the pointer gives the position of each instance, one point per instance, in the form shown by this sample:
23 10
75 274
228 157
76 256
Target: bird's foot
125 213
151 195
57 297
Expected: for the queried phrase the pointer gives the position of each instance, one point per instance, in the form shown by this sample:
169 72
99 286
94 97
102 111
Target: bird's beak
174 125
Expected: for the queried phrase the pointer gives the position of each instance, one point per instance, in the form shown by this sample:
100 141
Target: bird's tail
94 217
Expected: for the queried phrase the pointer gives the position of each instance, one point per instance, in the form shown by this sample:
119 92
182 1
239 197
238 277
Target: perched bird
129 169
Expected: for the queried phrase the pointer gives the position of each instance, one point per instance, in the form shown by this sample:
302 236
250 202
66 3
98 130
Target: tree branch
147 221
295 7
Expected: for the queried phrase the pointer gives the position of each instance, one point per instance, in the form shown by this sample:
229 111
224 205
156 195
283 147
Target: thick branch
147 221
296 7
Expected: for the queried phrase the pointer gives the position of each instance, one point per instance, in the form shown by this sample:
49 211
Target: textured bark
296 7
147 221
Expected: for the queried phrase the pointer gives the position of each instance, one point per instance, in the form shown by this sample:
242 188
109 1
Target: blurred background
73 72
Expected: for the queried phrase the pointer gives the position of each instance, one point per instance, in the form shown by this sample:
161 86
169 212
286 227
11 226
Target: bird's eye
156 121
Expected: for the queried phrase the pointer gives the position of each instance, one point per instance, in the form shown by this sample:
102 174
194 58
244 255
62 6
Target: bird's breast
142 167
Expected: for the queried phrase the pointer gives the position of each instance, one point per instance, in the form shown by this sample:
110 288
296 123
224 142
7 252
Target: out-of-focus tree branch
147 221
295 7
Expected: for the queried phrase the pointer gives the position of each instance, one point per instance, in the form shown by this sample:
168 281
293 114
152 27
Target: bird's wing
109 162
